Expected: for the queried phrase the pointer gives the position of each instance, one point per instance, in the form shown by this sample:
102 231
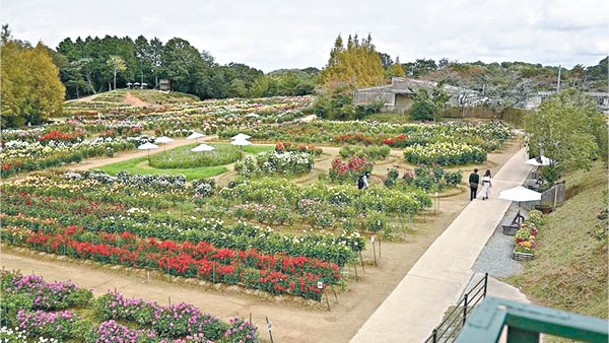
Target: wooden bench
510 225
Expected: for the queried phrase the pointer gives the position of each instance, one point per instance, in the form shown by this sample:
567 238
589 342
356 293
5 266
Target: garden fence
450 328
554 196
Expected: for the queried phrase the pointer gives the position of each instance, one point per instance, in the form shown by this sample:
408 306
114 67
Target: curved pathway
434 283
102 161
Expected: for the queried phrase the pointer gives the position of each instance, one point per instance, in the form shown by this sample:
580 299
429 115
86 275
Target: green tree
116 64
570 130
395 70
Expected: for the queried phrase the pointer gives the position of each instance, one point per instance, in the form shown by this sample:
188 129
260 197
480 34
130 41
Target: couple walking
474 181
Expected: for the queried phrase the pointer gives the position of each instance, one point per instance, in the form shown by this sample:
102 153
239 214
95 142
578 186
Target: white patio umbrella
241 142
163 139
519 194
148 146
535 162
241 136
203 147
195 135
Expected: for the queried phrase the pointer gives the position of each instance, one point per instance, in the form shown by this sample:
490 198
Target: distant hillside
139 97
570 271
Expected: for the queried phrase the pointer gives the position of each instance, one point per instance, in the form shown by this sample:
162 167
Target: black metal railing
452 324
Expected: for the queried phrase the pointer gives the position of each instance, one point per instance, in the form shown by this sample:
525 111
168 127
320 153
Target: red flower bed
276 274
55 135
399 141
286 146
354 139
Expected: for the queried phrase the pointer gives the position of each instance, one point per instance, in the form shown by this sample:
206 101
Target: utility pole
558 81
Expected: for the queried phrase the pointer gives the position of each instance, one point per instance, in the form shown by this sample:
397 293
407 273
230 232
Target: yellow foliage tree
356 65
31 88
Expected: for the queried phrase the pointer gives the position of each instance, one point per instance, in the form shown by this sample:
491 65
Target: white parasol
195 135
203 147
519 194
163 139
536 162
241 136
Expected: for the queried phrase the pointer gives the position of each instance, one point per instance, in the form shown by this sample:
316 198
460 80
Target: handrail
525 322
462 309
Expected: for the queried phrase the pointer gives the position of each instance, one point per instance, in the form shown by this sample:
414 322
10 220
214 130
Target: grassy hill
570 271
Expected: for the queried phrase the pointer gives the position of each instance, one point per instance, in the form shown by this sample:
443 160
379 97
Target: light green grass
570 270
182 157
140 166
394 118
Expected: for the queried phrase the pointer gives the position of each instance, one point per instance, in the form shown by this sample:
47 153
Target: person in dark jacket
474 180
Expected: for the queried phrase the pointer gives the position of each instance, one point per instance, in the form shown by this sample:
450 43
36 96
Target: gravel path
496 256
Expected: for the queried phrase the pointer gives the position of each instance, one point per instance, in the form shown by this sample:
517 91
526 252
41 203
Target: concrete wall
403 103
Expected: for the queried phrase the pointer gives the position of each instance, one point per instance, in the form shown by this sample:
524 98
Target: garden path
102 161
434 283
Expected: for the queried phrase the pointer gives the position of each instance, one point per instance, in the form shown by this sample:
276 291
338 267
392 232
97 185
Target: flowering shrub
369 152
526 236
354 139
444 153
45 296
350 171
308 148
399 141
16 335
48 324
266 163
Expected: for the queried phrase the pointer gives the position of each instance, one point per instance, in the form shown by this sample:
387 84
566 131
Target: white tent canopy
163 139
147 146
519 194
241 136
535 162
203 147
195 135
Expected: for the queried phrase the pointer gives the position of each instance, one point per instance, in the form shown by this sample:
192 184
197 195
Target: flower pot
522 256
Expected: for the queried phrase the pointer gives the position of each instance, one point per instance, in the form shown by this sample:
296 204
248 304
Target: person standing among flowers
486 185
474 180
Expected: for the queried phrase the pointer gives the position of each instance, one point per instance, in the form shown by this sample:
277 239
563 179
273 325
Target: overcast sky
274 34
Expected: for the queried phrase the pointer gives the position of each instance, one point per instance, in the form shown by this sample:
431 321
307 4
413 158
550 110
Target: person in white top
486 185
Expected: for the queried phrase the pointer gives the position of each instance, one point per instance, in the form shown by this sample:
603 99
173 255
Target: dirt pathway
127 155
135 101
292 322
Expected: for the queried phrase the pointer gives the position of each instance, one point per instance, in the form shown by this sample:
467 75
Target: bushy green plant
182 157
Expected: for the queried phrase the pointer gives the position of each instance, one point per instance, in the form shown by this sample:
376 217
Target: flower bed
349 171
268 163
368 152
276 274
445 154
147 322
32 210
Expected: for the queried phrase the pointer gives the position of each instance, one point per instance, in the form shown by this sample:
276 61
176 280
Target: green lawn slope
570 269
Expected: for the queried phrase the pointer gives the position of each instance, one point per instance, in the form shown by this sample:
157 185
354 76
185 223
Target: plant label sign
320 284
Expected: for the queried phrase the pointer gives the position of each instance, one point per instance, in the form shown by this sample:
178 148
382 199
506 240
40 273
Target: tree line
92 65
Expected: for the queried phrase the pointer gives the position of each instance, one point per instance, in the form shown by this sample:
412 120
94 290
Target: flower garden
260 231
63 312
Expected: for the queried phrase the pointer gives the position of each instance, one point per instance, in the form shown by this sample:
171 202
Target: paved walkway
436 281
